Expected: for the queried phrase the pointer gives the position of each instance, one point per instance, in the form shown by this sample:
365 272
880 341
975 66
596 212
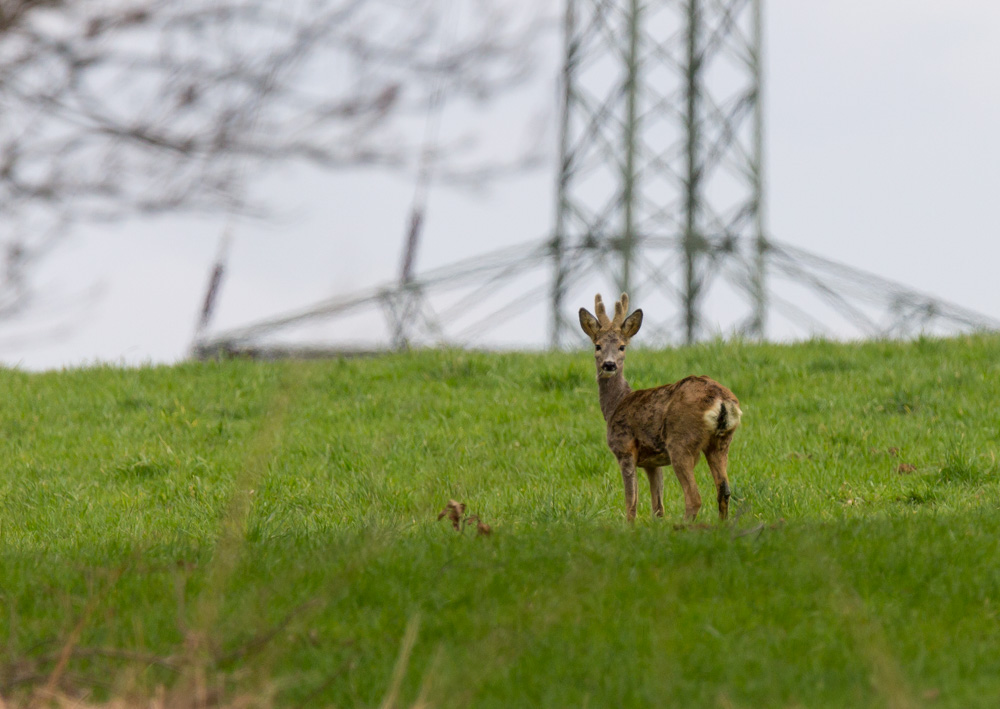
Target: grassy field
266 534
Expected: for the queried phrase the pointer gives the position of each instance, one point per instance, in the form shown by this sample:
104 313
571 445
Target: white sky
882 151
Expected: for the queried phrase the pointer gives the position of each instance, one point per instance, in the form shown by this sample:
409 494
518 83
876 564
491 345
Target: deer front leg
627 464
655 476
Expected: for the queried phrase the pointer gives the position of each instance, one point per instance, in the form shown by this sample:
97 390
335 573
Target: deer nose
609 366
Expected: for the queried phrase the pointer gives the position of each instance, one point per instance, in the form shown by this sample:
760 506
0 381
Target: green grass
271 530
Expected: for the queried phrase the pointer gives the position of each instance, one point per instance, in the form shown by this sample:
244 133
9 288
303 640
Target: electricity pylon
662 137
660 190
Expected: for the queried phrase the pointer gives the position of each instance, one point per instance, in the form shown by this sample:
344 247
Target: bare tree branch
112 108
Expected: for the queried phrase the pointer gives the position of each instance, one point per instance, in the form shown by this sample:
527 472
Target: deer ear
589 324
632 323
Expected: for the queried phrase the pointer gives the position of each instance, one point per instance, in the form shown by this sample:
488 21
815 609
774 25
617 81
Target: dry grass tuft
454 511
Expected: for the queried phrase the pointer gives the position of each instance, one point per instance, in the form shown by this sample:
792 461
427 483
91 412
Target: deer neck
612 390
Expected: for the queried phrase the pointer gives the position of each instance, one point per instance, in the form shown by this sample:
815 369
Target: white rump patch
733 415
712 417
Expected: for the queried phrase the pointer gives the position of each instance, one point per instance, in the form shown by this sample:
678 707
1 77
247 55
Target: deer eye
597 347
621 348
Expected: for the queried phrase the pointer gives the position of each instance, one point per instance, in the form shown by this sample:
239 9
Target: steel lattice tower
661 141
660 191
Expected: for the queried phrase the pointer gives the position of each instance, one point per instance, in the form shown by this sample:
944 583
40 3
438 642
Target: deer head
610 336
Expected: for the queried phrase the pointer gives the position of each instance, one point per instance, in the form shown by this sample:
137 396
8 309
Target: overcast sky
882 151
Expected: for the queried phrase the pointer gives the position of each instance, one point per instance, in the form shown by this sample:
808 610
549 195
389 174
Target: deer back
683 414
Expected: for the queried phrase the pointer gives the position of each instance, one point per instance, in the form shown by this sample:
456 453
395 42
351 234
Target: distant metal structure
660 193
662 136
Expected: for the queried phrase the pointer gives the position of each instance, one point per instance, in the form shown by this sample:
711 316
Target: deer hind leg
683 463
627 464
655 476
717 455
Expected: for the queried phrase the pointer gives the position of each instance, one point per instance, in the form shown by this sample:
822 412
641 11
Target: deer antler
602 315
621 310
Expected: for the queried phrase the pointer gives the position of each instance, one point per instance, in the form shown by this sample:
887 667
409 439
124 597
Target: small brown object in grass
453 511
481 526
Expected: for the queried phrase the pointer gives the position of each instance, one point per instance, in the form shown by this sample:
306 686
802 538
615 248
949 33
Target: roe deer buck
667 425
